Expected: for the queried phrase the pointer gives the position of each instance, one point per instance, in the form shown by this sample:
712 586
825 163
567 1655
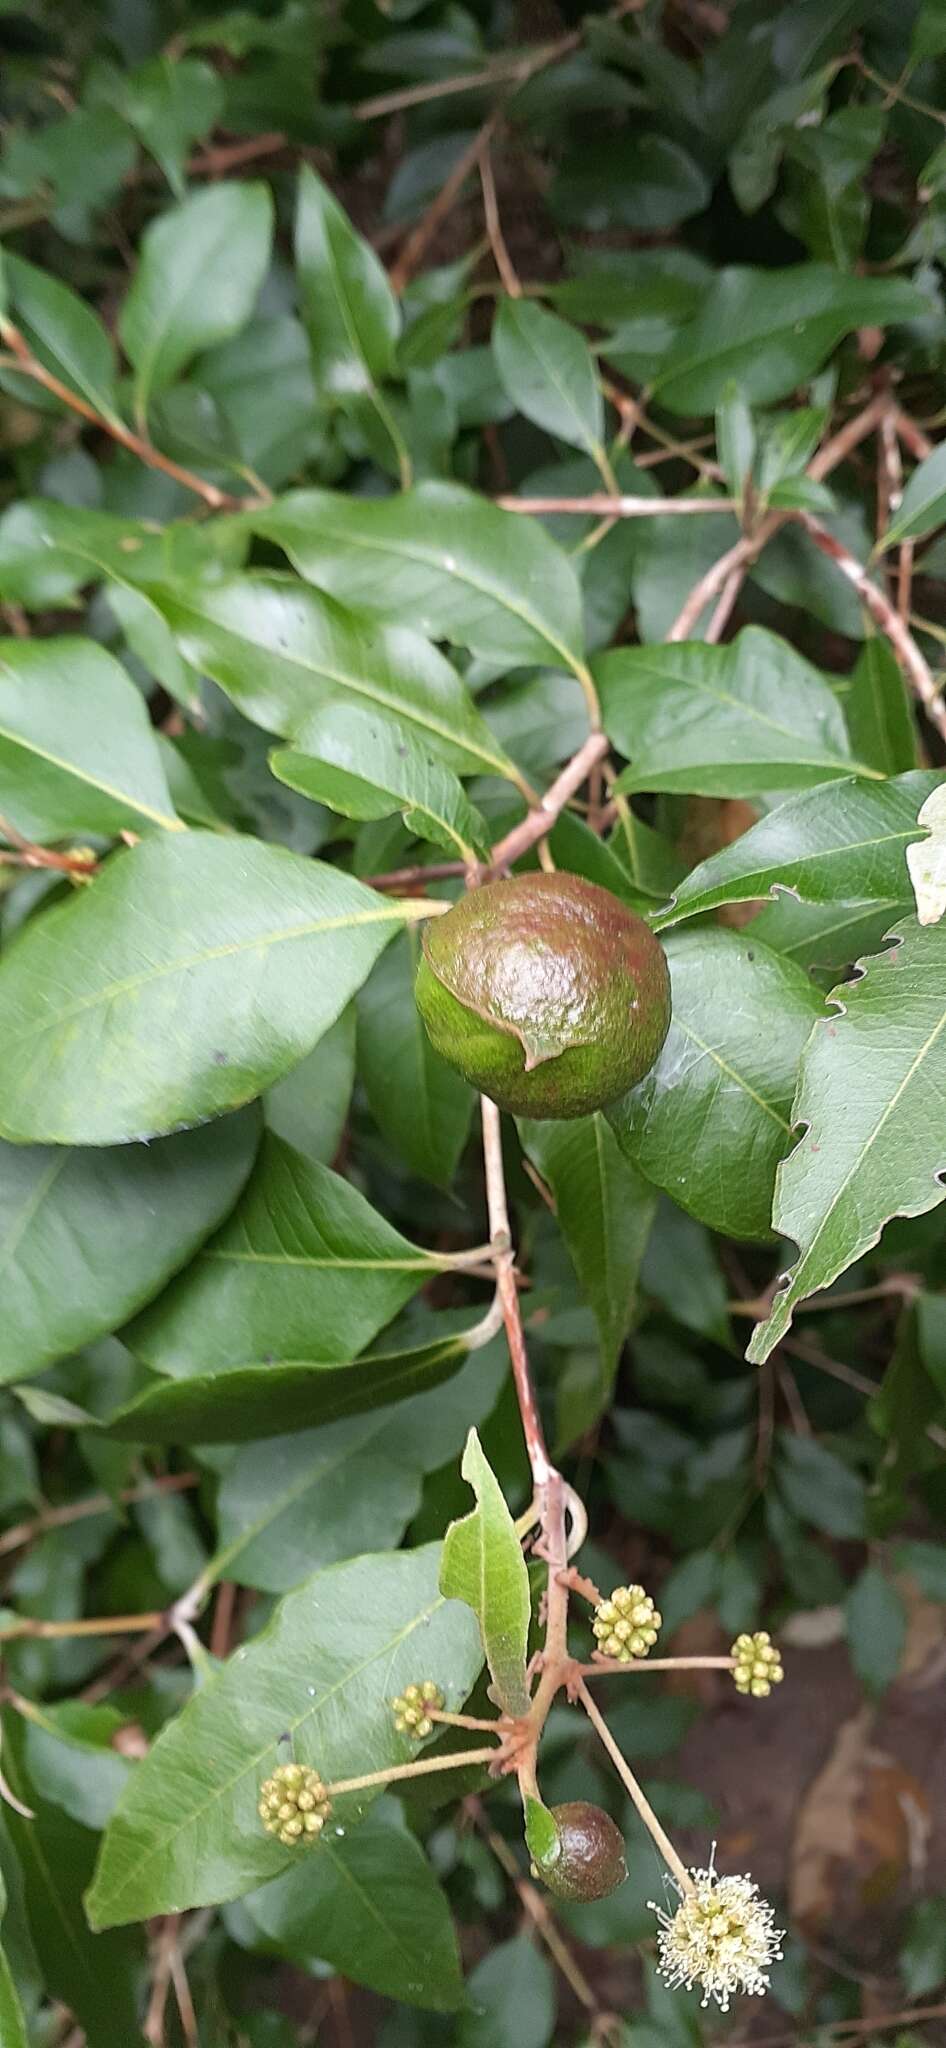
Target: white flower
721 1937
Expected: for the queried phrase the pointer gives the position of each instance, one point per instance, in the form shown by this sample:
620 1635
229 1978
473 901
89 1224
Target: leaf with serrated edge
484 1566
196 971
840 842
870 1102
324 1672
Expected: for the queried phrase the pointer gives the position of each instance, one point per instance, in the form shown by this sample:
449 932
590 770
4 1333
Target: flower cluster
626 1624
294 1805
721 1937
758 1665
413 1707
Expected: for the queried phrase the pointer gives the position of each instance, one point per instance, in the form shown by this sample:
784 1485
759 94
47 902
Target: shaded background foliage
262 268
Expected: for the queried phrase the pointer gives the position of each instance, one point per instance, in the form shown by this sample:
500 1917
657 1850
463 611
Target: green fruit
546 992
587 1860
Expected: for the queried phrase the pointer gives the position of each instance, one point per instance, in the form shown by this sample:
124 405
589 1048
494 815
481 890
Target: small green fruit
546 992
587 1861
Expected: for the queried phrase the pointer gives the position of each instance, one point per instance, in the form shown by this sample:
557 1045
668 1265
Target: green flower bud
294 1805
626 1624
412 1709
586 1859
546 992
758 1665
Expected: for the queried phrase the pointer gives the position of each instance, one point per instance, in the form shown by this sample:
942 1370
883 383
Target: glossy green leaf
876 1623
605 1210
59 701
923 505
303 1269
200 269
112 1226
830 845
309 1106
721 721
170 103
283 652
825 938
264 1400
549 372
95 1977
879 712
712 1119
420 1105
291 1505
191 974
871 1148
512 1999
370 1905
483 1565
361 763
772 329
642 181
455 565
350 312
324 1673
65 335
48 551
820 1488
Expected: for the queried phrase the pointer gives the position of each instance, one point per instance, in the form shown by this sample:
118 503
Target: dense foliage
443 440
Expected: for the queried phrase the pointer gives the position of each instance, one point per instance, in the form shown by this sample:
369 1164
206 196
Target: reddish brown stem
540 821
603 506
498 1211
884 615
422 235
217 500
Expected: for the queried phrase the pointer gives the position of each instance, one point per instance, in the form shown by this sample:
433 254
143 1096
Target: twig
885 616
734 562
422 235
109 423
514 69
153 2028
494 227
850 2029
912 436
642 1803
540 820
604 1667
102 1625
424 1767
727 599
185 2003
621 507
542 1917
498 1211
835 1369
97 1504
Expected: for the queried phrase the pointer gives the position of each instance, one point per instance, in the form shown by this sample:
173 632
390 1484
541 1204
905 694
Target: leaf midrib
424 556
183 966
251 1765
398 706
